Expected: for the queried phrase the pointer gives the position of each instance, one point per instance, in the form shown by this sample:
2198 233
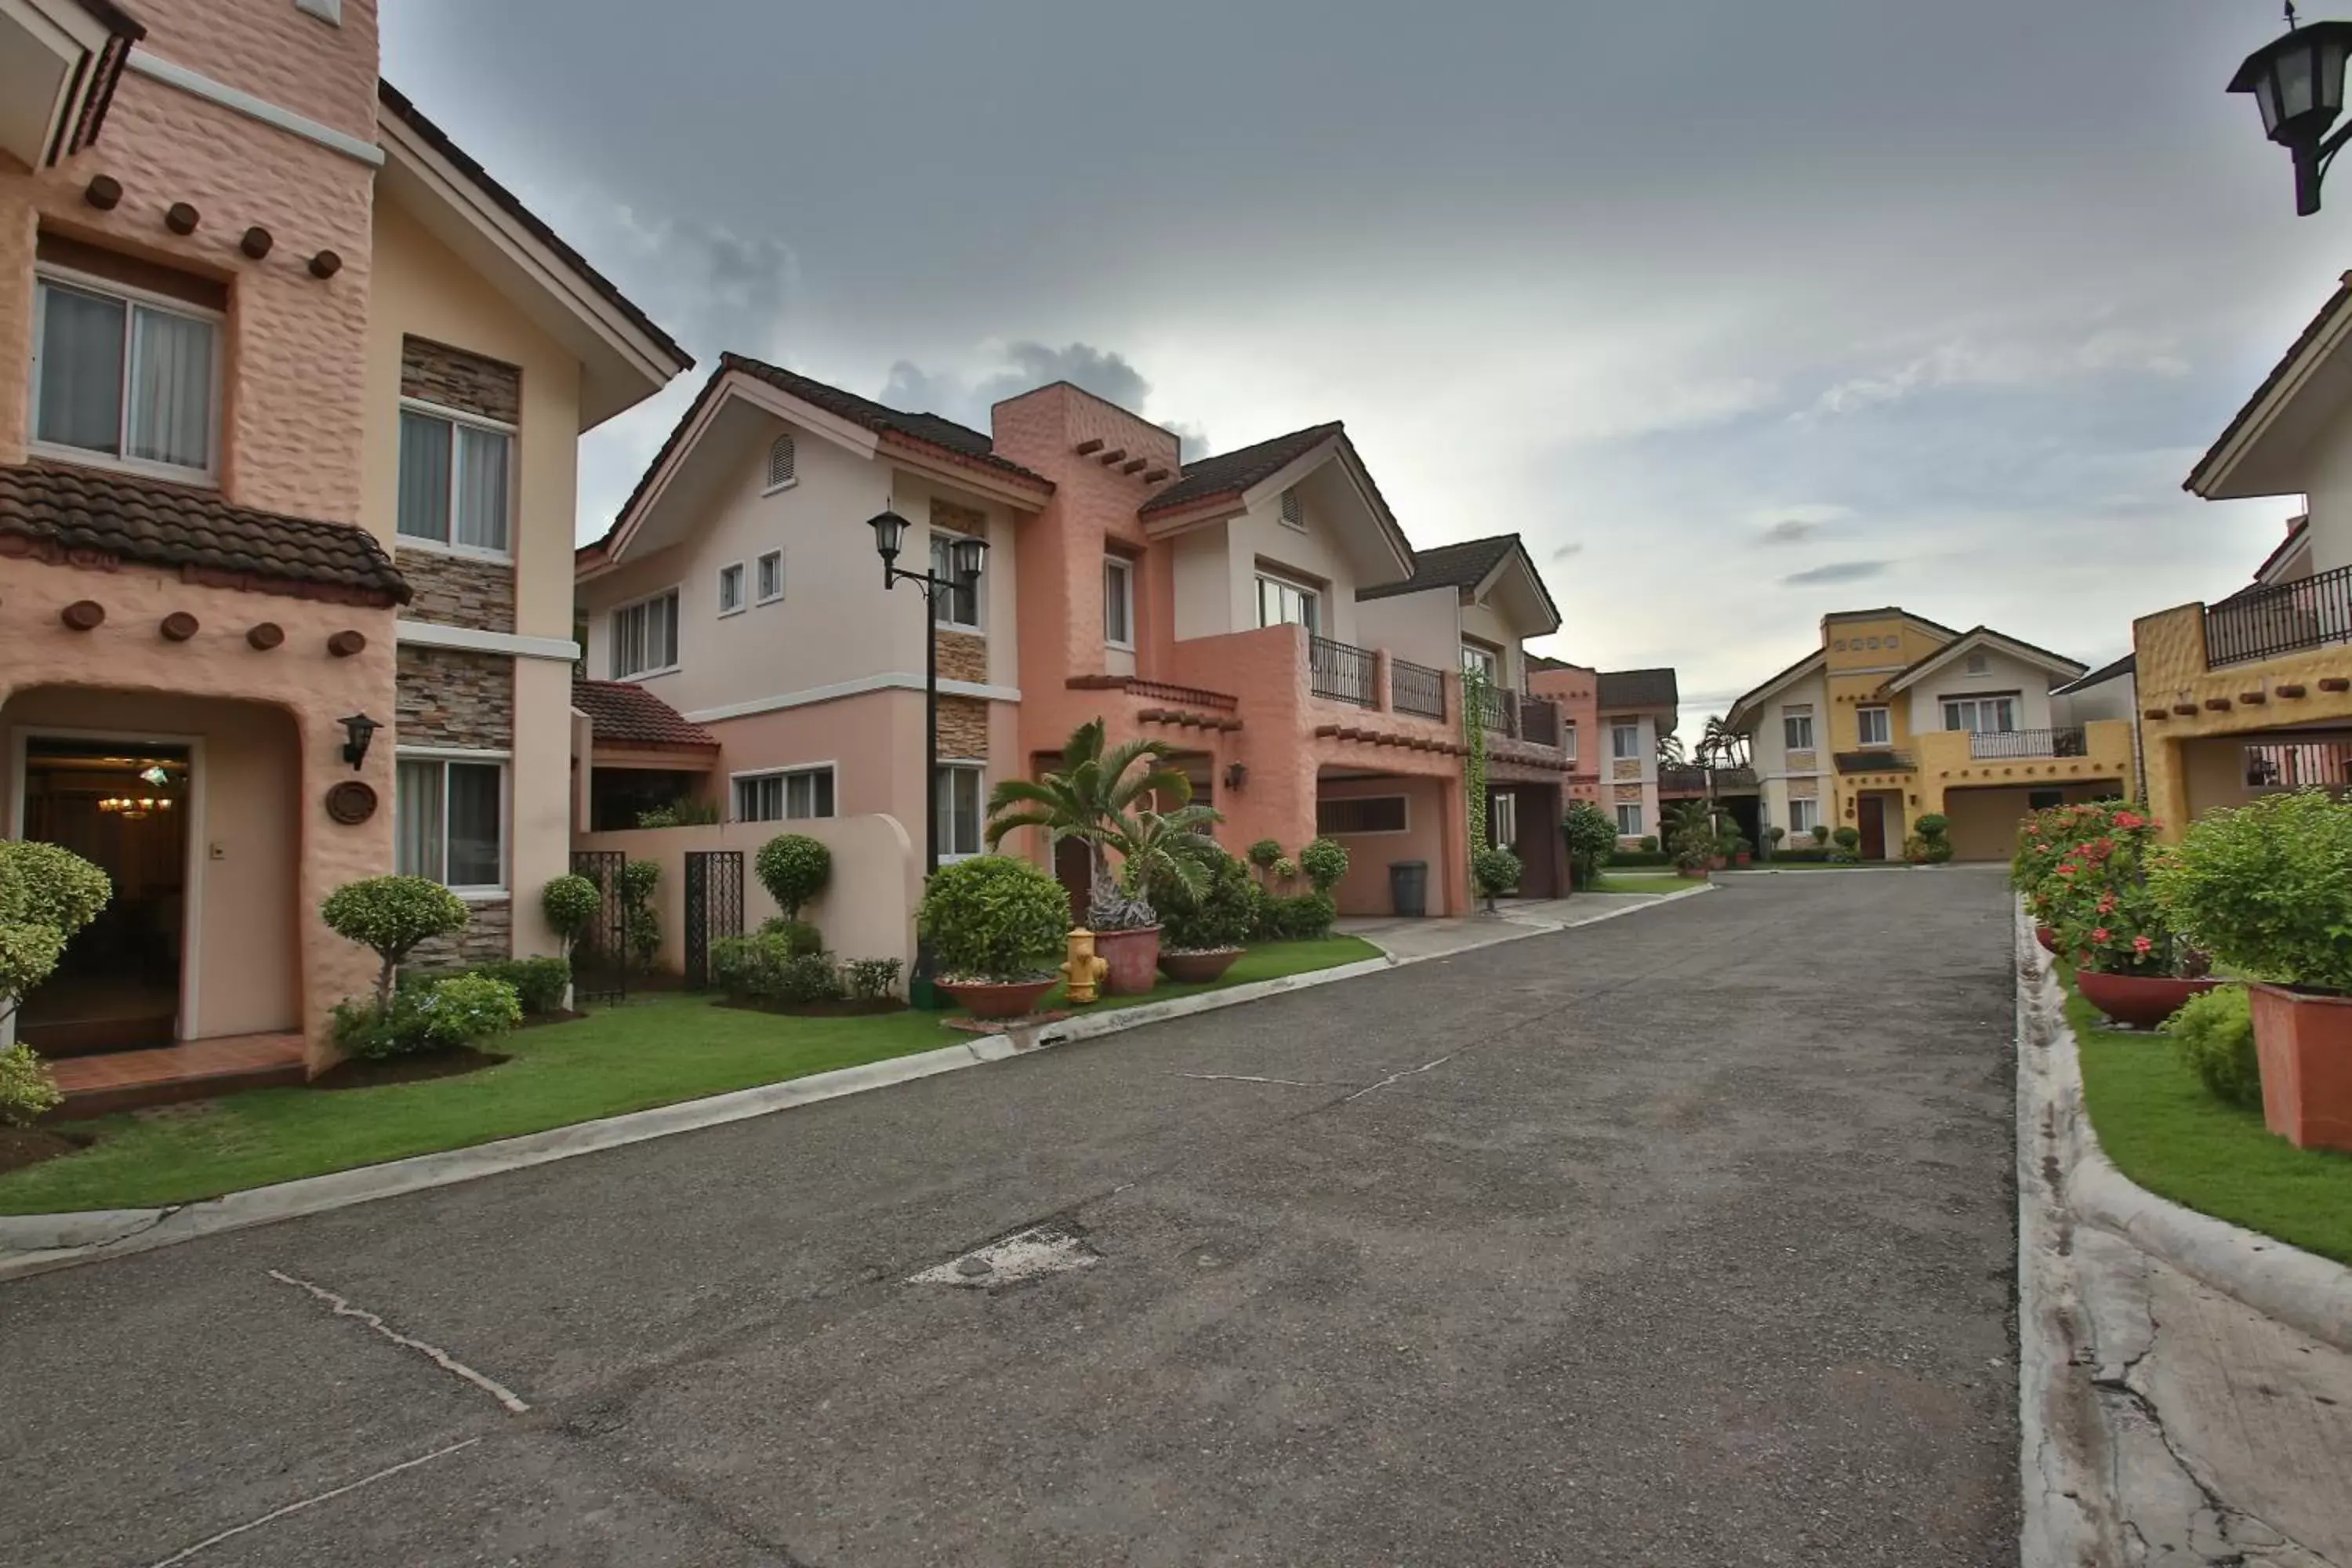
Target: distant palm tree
1670 751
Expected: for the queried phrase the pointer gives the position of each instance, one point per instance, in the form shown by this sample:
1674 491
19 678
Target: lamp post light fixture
966 557
2297 81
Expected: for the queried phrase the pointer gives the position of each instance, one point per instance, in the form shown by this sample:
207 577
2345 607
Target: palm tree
1094 797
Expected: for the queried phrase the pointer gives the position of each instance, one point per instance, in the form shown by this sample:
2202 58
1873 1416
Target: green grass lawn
2161 1128
657 1051
1643 882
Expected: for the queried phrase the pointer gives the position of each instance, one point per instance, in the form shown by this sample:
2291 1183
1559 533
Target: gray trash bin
1409 887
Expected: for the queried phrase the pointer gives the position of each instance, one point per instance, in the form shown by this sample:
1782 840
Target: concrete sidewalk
1407 941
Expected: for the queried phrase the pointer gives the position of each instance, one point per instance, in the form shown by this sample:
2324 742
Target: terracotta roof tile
623 713
1230 473
65 513
929 429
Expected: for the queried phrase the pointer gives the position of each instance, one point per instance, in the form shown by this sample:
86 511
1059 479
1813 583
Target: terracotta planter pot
1695 873
2047 938
1198 968
1740 860
1132 956
2141 1001
988 999
1717 863
2304 1045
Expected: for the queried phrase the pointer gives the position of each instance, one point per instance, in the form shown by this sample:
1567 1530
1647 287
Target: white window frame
948 597
1954 718
456 416
1404 810
760 570
1311 597
1789 719
1123 569
1885 725
504 761
735 783
975 766
613 633
768 486
1798 808
1620 752
1635 808
122 462
1568 739
743 589
1487 660
1499 806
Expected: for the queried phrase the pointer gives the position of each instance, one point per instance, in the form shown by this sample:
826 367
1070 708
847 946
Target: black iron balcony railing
2300 765
1498 711
1688 778
1342 672
1417 688
1995 744
2262 623
1538 721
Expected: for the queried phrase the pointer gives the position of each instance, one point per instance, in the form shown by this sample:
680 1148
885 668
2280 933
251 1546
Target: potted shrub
2263 888
1933 833
2130 963
1742 851
1201 932
1496 870
1097 797
1849 846
996 927
2044 840
1691 840
795 869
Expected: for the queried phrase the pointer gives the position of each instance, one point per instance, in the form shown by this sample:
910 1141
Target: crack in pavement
498 1391
313 1501
1248 1078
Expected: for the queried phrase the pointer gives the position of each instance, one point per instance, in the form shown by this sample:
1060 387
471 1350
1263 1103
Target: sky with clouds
1738 313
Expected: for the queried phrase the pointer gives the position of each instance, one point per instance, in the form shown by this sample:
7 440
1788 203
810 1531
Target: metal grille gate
600 959
714 907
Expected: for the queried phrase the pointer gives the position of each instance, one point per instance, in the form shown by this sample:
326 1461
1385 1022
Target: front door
123 805
1870 816
1074 868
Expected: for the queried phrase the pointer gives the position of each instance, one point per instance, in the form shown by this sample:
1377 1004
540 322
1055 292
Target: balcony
1991 744
1417 688
2264 623
1875 761
1342 672
1682 779
1498 708
1540 721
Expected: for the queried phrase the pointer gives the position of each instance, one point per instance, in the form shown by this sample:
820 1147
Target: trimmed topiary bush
640 923
800 937
2264 889
443 1015
795 869
1325 861
1649 842
27 1089
1264 853
994 918
538 983
570 904
1820 831
1495 870
1223 914
2215 1034
1592 834
391 916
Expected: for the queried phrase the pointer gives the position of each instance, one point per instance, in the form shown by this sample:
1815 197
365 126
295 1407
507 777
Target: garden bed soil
23 1146
360 1072
846 1008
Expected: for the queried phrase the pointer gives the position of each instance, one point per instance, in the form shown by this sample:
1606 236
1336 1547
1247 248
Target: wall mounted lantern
358 730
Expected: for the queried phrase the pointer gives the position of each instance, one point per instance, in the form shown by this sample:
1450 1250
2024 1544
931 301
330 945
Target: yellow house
1894 717
2253 694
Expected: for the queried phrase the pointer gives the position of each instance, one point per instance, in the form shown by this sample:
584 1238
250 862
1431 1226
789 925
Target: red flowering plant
2107 917
2048 840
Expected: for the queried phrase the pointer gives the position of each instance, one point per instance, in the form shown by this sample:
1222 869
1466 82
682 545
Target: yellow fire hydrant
1082 974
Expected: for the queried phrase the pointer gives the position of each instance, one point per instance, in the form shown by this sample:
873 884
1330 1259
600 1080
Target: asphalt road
1695 1246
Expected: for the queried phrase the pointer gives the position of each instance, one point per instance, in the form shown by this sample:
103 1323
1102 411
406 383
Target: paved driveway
1682 1238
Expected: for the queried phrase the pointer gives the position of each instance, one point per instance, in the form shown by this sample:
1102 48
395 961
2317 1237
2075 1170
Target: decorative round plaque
351 803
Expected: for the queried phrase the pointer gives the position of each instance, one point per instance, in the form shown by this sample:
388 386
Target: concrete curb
36 1243
2299 1289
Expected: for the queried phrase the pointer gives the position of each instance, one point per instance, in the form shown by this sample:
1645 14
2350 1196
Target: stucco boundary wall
2307 1292
868 908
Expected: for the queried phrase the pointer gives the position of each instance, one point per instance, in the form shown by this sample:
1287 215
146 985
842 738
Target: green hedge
1624 859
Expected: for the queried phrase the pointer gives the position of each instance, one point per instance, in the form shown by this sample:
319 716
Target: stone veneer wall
458 590
436 373
455 696
963 655
488 937
963 728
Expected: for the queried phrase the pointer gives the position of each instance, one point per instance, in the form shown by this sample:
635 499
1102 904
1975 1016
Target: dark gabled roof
1637 689
1785 672
2304 340
624 713
62 514
1544 661
922 429
2127 664
1979 630
407 113
1463 566
1889 610
927 430
1231 473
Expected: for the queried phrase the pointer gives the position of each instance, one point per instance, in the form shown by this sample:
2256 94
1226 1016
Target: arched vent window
1294 512
779 463
1978 664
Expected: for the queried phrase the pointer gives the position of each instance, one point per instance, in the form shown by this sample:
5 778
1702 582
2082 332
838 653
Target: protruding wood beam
1116 455
1155 476
1090 445
1134 464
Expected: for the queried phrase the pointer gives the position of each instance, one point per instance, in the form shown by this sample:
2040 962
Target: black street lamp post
2297 81
967 556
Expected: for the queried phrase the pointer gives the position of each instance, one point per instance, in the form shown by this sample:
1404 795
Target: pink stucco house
1261 610
288 429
